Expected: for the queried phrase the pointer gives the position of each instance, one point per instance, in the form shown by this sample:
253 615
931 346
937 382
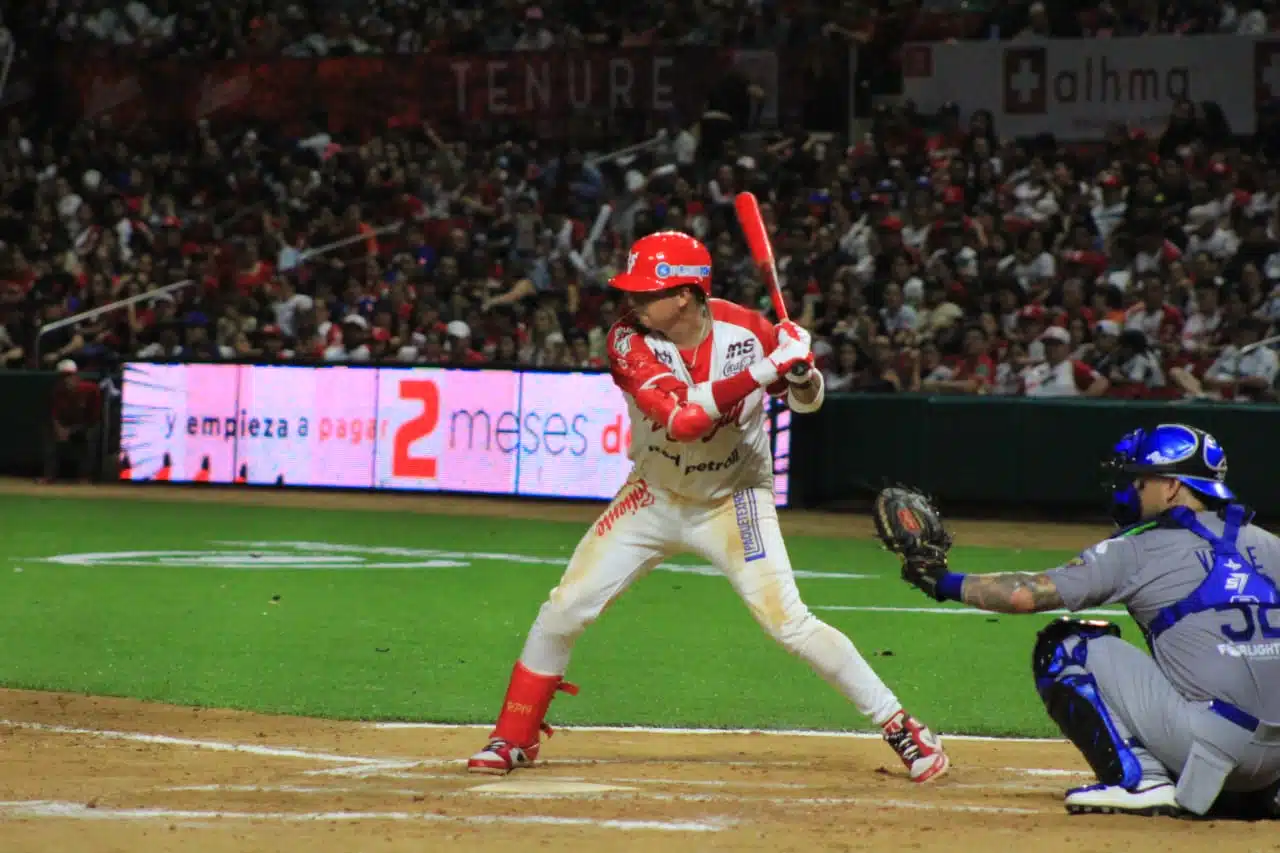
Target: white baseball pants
740 537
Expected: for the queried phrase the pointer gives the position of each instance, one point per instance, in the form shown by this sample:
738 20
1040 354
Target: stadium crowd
932 255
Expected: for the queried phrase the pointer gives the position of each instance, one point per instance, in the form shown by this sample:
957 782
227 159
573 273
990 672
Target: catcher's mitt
908 524
910 527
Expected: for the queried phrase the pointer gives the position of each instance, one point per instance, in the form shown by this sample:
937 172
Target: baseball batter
695 372
1196 725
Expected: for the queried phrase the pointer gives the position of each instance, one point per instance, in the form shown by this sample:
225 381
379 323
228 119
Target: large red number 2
402 464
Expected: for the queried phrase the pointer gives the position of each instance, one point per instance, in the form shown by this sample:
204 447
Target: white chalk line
319 790
874 802
652 730
405 769
356 766
388 768
653 796
212 745
79 811
955 611
696 783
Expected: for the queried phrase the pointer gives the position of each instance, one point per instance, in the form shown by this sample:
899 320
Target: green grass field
209 604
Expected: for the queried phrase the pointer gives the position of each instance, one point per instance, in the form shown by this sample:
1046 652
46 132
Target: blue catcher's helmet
1183 453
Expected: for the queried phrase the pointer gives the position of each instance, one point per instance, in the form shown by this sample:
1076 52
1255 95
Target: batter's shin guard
1070 695
524 709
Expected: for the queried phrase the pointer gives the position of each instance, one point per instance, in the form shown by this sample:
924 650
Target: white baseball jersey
736 455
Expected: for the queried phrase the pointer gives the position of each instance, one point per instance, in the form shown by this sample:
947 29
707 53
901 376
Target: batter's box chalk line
220 746
79 811
650 730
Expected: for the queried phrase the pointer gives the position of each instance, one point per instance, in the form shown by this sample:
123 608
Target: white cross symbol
1232 564
1026 81
1271 75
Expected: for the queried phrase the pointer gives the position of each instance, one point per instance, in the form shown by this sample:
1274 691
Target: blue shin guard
1070 695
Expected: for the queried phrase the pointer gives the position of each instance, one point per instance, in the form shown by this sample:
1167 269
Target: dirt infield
89 774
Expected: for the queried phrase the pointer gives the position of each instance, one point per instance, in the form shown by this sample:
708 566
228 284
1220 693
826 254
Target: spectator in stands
1135 370
930 235
973 372
73 431
1200 333
1244 370
841 374
1153 311
11 355
1058 375
877 373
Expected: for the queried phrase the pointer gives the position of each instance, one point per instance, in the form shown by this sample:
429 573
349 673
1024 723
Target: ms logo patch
738 357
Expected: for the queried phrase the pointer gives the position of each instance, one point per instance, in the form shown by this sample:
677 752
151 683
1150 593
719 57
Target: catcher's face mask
1126 508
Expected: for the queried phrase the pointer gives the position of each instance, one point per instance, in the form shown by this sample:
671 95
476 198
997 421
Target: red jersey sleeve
1084 374
661 395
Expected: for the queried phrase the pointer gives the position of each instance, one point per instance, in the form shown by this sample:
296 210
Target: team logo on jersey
738 357
665 357
622 341
712 466
633 497
729 417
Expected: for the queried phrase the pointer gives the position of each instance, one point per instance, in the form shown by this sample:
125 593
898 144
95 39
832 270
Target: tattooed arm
1011 592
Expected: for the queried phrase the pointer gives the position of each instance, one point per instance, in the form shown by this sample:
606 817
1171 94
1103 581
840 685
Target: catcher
695 372
1193 727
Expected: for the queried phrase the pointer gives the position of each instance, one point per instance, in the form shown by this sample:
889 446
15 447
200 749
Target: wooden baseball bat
749 217
752 222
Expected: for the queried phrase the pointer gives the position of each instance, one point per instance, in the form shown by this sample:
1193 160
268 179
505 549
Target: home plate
545 787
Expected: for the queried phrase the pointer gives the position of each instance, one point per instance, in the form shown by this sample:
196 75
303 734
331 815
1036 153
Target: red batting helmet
665 260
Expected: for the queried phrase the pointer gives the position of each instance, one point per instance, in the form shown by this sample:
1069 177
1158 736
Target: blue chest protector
1233 584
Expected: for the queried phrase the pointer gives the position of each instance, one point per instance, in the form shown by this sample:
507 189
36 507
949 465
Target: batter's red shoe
919 748
499 758
516 738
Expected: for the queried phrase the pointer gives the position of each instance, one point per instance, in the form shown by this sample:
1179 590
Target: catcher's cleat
1151 798
919 748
